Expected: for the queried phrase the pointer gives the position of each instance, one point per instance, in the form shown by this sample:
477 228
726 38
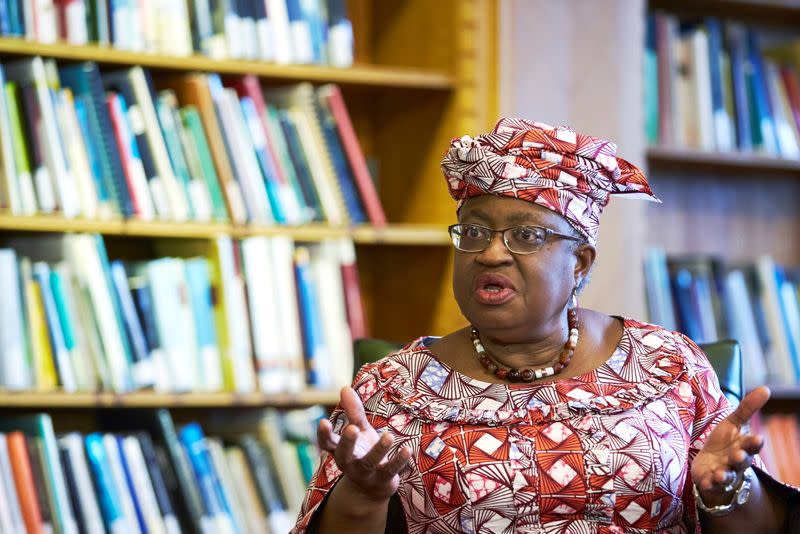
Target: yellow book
43 366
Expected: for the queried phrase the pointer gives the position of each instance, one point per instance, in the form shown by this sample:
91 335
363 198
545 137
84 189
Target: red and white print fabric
605 452
565 171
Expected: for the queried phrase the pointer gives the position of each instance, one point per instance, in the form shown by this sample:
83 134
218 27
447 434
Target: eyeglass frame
548 232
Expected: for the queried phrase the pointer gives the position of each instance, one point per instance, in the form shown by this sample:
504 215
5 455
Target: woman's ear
585 254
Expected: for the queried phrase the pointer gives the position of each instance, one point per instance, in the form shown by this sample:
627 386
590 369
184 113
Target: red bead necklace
527 374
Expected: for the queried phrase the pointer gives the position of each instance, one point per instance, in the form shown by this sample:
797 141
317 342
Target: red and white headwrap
570 173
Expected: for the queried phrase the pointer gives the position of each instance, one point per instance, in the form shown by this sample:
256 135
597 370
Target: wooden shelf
362 75
723 162
400 234
60 400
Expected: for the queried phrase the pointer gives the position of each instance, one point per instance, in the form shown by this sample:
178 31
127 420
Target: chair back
725 357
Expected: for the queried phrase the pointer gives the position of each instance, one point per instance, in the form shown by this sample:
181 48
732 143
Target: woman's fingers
396 463
327 439
752 402
378 451
347 443
752 443
353 408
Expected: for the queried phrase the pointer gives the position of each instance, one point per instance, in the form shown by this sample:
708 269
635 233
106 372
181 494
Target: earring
574 298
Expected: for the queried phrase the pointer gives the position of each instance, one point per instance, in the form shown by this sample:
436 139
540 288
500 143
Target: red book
123 144
352 291
24 482
355 157
792 84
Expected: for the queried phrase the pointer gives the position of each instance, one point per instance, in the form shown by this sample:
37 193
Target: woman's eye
473 232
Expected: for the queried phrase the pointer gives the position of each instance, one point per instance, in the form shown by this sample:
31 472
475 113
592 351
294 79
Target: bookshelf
422 74
59 400
733 205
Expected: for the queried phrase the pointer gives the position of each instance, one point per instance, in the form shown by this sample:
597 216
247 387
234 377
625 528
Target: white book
284 52
743 329
256 522
179 208
340 44
120 485
90 510
174 322
28 20
46 21
701 79
249 37
785 130
6 517
291 341
234 34
94 373
244 158
75 21
76 154
143 485
82 253
14 372
264 312
327 268
300 35
779 357
220 466
265 36
7 476
233 294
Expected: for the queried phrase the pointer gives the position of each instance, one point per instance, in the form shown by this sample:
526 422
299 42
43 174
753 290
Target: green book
199 155
21 160
165 104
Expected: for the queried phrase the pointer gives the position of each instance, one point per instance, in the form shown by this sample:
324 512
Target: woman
541 416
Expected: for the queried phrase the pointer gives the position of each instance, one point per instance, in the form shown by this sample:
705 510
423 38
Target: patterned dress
604 452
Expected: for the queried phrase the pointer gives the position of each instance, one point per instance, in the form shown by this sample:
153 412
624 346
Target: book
85 498
7 479
14 367
331 94
24 482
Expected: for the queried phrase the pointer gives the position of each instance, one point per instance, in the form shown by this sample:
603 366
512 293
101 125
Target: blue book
15 24
84 81
762 122
344 175
311 11
143 370
737 47
308 304
198 281
265 162
794 350
5 21
110 505
218 504
137 506
300 164
92 153
689 322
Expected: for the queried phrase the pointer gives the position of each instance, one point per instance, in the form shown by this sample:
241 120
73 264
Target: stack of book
280 31
82 143
257 314
709 85
147 475
757 304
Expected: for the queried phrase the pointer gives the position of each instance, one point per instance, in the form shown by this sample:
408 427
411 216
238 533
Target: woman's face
511 297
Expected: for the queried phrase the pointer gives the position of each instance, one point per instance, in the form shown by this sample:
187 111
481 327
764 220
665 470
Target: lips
493 289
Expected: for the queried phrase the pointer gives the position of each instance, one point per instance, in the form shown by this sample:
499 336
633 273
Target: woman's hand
360 452
728 451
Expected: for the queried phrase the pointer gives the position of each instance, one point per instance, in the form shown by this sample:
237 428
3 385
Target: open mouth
493 289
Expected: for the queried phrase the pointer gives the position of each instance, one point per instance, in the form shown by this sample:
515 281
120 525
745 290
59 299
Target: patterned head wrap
570 173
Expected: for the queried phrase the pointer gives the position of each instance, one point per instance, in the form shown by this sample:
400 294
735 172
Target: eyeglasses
517 239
